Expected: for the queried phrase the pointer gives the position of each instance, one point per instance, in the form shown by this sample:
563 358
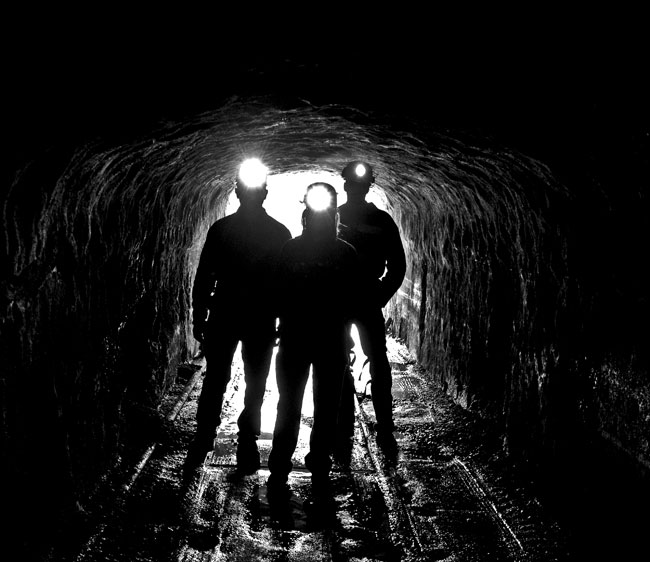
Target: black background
535 78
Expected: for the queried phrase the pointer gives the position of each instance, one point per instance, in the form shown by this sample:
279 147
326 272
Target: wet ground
449 496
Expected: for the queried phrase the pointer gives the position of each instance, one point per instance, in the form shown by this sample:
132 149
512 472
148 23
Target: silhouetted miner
376 238
319 276
232 303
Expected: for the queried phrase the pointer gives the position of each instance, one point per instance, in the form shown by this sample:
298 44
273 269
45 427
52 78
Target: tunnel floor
450 495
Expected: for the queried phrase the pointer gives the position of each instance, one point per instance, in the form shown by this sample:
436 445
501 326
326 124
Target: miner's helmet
358 172
321 197
252 175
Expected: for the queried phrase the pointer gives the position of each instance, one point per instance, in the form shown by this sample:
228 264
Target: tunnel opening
102 240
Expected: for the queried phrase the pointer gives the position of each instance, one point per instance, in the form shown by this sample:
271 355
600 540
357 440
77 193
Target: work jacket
376 238
237 267
319 288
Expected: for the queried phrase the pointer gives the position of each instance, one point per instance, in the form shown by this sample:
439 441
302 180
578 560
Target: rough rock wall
102 242
487 280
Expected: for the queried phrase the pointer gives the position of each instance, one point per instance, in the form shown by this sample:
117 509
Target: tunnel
524 226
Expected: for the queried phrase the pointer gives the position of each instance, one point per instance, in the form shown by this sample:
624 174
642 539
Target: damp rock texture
514 300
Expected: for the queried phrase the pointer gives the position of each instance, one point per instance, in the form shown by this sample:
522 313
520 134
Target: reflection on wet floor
433 503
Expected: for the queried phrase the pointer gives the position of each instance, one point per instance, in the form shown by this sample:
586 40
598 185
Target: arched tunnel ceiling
442 123
456 125
126 153
143 204
430 179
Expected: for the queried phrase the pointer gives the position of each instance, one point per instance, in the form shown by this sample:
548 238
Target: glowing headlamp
252 173
319 198
360 171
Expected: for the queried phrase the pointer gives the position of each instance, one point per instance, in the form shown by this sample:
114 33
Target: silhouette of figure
232 303
375 236
318 274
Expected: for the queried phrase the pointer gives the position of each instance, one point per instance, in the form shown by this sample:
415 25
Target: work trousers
257 342
329 361
372 335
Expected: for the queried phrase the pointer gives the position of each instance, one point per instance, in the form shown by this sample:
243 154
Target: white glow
253 173
360 170
287 191
318 198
